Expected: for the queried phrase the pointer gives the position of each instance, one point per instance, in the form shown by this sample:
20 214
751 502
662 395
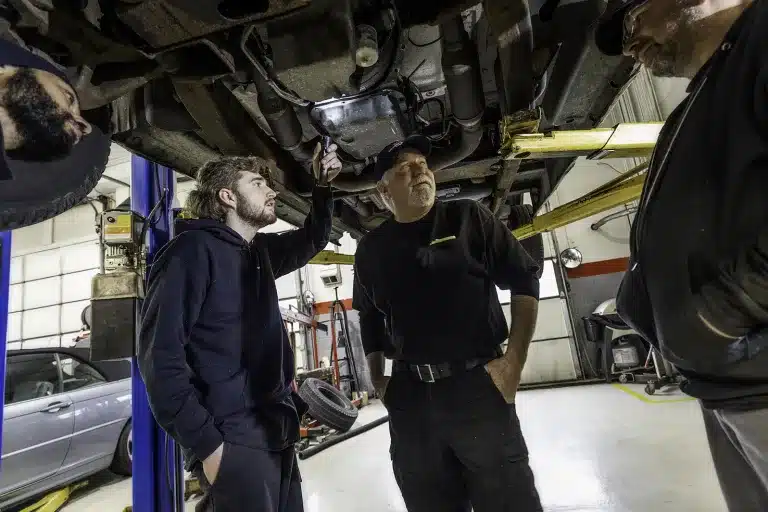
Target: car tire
520 215
328 405
122 463
40 191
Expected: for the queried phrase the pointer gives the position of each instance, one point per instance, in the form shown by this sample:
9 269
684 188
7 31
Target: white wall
52 264
612 239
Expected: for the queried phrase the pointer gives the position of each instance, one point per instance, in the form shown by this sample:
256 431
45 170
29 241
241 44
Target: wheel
328 405
122 463
623 378
521 215
41 190
650 388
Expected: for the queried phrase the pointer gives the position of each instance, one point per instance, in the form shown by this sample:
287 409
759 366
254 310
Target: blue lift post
158 484
5 297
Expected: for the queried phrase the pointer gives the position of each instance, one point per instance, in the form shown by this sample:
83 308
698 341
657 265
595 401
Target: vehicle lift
158 484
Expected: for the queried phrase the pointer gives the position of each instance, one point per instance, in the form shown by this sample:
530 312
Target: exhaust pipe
461 68
283 121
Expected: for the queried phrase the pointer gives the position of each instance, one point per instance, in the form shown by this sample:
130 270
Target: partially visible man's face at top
410 182
46 115
660 34
255 200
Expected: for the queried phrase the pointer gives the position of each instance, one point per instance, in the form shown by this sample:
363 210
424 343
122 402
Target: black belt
431 372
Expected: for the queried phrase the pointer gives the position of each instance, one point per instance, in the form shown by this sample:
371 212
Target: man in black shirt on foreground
698 281
425 287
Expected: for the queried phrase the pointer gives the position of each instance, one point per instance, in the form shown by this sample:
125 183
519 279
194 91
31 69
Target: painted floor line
647 400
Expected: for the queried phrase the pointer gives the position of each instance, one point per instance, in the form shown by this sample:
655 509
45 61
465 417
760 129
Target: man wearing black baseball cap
697 287
425 287
40 117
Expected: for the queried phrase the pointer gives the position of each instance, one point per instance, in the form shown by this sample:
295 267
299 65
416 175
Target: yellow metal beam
332 258
582 208
624 141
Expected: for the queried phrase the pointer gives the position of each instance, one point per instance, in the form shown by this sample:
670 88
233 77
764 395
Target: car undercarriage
183 81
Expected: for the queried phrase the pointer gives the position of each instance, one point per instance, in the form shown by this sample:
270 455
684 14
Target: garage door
551 356
49 290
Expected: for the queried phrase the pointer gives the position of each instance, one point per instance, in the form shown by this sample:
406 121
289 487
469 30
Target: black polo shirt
426 291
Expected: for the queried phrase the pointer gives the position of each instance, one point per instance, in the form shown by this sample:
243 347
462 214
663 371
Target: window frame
557 281
104 379
59 374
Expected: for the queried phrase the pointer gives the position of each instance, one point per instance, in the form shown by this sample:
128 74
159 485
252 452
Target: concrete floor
593 448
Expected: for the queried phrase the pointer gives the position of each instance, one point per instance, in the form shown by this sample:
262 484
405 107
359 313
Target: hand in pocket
505 376
212 464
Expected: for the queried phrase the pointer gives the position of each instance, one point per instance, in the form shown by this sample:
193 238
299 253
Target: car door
38 420
101 410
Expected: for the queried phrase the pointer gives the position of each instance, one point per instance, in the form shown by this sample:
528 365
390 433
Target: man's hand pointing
328 161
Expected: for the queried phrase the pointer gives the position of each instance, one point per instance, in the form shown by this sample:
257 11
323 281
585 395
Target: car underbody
183 81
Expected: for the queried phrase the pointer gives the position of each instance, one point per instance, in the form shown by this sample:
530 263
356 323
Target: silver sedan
65 418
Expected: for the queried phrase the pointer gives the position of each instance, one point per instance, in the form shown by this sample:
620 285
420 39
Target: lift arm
626 140
627 189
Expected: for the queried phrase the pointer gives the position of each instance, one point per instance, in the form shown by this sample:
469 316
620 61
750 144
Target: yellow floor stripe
644 398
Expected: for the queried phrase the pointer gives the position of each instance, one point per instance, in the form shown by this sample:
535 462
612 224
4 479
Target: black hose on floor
314 450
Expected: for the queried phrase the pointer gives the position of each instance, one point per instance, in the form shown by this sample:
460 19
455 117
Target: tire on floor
41 190
328 405
520 215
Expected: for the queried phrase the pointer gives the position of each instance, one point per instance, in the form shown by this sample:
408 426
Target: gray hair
386 200
203 202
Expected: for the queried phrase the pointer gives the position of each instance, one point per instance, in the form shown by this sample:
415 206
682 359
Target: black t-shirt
426 290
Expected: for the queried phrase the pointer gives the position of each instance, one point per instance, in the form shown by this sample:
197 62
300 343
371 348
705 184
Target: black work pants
738 441
457 446
252 480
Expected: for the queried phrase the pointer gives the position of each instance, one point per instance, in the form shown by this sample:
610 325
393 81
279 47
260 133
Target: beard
39 121
422 196
675 57
253 215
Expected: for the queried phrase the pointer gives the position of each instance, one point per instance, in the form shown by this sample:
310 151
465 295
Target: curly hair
203 202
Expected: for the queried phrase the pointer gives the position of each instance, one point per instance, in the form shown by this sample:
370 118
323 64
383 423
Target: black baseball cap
609 35
386 158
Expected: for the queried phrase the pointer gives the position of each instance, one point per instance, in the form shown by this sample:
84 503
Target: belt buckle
431 373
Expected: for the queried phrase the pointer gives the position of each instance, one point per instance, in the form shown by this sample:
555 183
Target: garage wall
51 269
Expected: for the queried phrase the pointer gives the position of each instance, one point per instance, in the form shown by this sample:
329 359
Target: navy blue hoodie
213 350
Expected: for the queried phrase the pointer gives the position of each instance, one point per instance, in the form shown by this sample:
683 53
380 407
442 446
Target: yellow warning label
120 226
